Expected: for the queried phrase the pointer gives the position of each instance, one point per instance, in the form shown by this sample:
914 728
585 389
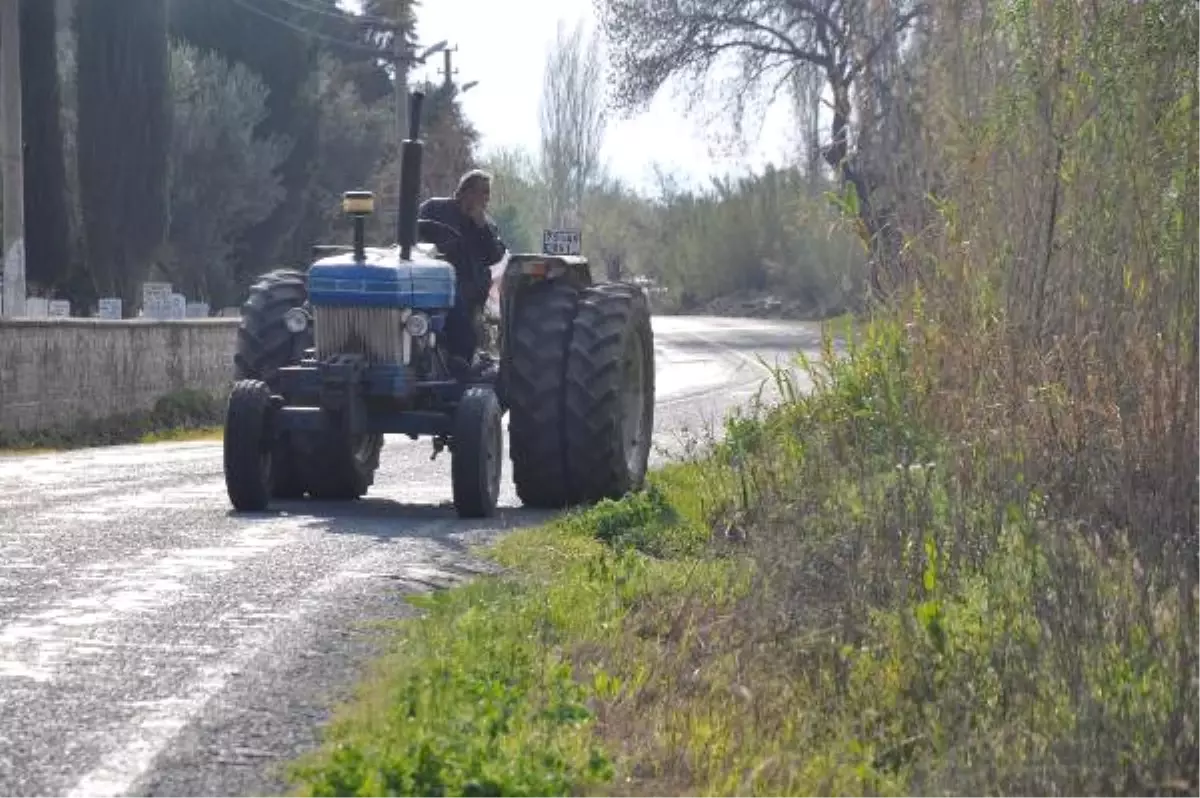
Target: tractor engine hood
383 280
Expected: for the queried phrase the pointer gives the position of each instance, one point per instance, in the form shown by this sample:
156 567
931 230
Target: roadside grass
839 597
493 690
186 415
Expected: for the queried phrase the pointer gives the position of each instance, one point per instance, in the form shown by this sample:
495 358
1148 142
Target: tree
123 139
223 178
753 234
382 20
449 151
856 45
450 141
47 223
807 84
270 39
354 137
572 121
616 232
518 198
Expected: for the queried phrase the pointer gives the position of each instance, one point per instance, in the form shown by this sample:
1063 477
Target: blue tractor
331 360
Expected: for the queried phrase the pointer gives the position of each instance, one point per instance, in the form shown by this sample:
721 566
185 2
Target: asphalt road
154 643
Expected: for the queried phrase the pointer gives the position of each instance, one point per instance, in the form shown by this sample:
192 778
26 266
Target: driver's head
474 191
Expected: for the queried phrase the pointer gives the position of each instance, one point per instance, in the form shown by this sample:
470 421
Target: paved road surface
151 642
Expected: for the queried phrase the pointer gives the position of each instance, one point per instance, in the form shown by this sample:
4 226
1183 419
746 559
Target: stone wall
59 373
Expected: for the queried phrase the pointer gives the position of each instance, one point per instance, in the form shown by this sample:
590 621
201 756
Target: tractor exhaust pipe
410 178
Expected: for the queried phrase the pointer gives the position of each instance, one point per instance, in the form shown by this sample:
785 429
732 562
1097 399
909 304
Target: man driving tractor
471 242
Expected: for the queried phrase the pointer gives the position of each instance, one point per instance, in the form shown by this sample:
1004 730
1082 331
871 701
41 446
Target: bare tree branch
572 122
853 44
901 24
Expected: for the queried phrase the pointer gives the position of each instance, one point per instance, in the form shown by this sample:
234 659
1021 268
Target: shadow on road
403 524
387 519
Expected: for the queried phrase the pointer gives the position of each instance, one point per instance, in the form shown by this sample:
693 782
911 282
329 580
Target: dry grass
968 561
976 546
840 599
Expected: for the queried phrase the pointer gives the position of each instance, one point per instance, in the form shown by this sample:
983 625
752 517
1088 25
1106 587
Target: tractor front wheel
248 446
476 452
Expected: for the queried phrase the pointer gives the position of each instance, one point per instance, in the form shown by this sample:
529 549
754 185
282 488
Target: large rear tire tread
264 343
606 459
477 449
534 388
247 446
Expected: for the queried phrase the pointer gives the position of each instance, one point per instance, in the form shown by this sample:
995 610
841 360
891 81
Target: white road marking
37 645
140 742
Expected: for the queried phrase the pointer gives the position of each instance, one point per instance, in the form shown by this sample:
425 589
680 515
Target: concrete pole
11 153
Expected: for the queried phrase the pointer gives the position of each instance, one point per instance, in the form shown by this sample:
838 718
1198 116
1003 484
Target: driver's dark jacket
479 247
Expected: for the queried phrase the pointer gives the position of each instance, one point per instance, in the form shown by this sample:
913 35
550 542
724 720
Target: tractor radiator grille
376 333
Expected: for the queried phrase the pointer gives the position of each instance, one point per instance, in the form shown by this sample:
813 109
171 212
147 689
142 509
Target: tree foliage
759 48
354 137
449 151
771 233
235 134
124 137
286 60
518 198
278 108
47 224
223 177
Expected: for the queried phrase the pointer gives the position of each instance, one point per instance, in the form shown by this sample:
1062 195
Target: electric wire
364 19
287 23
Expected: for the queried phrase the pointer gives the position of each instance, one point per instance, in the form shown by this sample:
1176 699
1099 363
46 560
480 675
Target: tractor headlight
296 320
417 325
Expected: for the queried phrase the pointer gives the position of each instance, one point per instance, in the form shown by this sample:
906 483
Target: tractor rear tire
477 452
264 343
248 446
338 467
609 393
534 386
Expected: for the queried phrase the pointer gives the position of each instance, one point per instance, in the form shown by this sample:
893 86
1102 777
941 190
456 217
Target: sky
503 45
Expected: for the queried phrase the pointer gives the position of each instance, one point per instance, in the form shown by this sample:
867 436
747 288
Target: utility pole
447 69
11 147
448 73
